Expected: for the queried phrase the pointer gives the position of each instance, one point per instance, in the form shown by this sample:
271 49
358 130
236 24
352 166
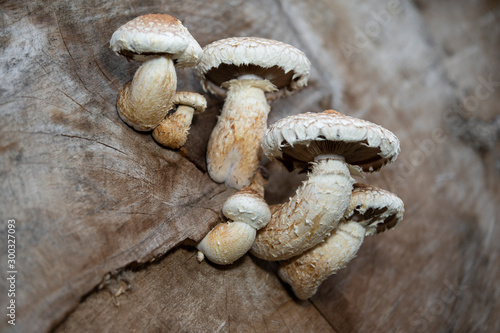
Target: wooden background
105 216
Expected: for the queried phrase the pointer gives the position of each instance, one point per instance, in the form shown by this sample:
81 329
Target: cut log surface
106 218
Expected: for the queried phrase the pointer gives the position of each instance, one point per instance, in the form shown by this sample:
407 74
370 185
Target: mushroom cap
227 242
297 140
376 209
154 35
282 64
192 99
247 206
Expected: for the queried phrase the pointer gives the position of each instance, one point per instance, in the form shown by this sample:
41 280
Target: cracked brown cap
297 140
152 35
282 64
376 209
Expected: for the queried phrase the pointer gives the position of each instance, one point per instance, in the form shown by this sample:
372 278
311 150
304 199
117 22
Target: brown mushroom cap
297 140
376 209
153 35
282 64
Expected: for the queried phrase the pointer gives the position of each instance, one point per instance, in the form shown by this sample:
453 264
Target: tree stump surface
106 218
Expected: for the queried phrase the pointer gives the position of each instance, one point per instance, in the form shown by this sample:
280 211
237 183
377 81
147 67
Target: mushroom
371 210
332 146
247 71
377 210
160 41
174 129
227 242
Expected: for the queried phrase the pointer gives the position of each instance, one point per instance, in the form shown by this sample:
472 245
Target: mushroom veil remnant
247 71
161 42
332 146
371 210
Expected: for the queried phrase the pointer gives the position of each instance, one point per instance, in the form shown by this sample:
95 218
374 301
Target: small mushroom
174 129
247 71
160 41
247 205
371 210
227 242
377 210
332 146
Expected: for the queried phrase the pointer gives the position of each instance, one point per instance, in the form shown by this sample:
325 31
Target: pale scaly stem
315 210
307 271
258 183
233 151
174 129
145 101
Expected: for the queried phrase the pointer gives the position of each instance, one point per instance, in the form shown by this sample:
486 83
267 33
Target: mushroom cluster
321 228
161 42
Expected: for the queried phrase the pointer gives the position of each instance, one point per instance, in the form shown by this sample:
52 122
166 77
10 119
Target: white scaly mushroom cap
192 99
227 242
297 140
249 207
282 64
151 35
374 208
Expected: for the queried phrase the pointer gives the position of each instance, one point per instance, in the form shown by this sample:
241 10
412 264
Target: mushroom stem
315 210
145 101
258 183
174 129
306 272
233 152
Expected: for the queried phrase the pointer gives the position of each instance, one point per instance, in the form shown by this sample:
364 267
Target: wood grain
96 201
181 295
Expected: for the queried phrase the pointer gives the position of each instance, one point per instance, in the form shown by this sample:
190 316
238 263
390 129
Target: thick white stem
233 152
306 272
315 210
144 102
